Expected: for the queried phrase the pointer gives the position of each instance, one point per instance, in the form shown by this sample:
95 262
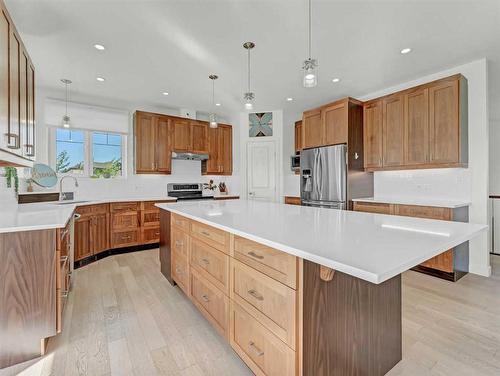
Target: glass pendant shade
66 122
249 97
310 73
213 120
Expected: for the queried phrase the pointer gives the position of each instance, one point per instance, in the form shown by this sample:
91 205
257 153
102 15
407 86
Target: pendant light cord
310 29
66 98
213 93
248 70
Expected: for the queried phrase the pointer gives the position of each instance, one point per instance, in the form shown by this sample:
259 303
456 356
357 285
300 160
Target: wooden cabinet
372 134
393 131
220 151
92 230
298 135
199 137
312 130
421 127
182 134
373 207
17 115
335 123
124 224
292 200
153 149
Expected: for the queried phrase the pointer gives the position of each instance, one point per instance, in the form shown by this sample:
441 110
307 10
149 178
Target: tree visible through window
106 154
70 151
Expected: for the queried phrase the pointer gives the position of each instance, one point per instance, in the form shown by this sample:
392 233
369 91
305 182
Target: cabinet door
4 82
417 127
213 163
23 104
14 132
145 139
182 135
312 131
393 131
372 134
226 150
298 135
164 145
100 233
199 137
334 120
83 245
444 123
30 92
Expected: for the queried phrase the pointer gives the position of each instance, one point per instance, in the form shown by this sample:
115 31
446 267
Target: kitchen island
300 290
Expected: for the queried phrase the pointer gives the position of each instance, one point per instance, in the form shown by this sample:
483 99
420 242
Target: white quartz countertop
373 247
415 201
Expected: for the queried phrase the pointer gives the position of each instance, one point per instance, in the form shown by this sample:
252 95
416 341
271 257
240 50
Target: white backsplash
443 183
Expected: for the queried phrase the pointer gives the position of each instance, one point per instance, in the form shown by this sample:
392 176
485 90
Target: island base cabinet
263 353
350 326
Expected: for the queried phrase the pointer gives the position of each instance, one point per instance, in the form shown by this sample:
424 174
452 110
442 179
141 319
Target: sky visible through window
70 151
107 154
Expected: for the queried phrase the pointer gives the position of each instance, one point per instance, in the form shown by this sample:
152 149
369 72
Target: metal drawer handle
205 298
255 255
64 294
205 233
64 259
254 348
205 261
157 233
255 294
179 243
179 271
77 216
126 237
178 223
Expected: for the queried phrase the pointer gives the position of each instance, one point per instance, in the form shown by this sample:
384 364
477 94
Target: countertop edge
443 204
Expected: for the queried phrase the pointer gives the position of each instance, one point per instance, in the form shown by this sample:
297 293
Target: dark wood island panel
350 326
28 293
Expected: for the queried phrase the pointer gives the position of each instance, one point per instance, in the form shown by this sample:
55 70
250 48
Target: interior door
261 170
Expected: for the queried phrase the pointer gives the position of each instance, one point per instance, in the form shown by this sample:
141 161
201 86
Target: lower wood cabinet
91 230
249 292
292 200
452 264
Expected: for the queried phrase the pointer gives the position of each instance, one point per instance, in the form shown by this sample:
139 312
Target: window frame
88 160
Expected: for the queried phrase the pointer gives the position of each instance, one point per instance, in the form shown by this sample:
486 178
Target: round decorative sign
43 175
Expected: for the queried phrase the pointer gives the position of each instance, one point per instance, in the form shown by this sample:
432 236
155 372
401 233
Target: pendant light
66 121
249 96
310 64
212 117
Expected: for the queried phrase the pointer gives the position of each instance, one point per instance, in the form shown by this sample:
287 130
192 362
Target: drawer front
125 238
373 207
443 262
430 212
180 271
150 235
212 302
150 218
117 207
100 209
85 210
180 242
122 221
216 238
181 222
150 205
276 264
211 263
263 352
270 301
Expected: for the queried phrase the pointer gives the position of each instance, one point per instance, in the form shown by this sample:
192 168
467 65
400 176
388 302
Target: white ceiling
173 45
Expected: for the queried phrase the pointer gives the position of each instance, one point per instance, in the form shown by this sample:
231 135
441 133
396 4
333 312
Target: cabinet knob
205 298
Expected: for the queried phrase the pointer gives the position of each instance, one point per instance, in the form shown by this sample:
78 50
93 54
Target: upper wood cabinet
393 130
298 135
220 151
312 130
334 121
372 134
422 127
17 109
157 136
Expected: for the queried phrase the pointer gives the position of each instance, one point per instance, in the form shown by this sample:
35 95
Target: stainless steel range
187 191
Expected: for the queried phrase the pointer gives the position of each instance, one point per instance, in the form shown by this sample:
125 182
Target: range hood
189 156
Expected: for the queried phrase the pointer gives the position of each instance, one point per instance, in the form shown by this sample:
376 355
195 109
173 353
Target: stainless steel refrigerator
323 177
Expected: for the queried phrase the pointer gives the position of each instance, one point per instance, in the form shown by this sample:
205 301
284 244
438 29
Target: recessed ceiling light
99 47
336 80
100 79
405 51
165 93
289 99
217 104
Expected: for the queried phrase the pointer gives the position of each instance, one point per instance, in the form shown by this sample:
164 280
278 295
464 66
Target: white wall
182 171
495 156
243 124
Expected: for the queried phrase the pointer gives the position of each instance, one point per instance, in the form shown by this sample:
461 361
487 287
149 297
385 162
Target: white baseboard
480 269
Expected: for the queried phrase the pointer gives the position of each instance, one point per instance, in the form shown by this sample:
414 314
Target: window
70 152
106 154
93 154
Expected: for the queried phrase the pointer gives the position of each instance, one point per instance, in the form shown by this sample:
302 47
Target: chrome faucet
62 196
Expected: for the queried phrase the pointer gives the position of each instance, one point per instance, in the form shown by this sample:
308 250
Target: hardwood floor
124 318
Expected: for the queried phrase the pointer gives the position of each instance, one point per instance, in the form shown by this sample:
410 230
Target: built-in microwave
295 161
